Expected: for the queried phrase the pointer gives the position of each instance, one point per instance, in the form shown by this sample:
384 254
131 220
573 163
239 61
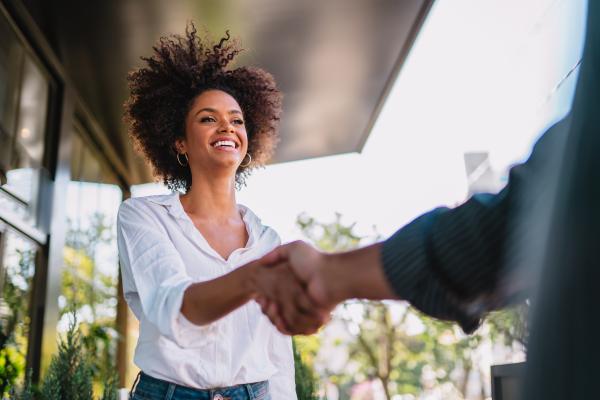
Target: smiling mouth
225 144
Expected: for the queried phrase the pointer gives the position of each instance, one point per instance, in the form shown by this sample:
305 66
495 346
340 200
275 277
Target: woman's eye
238 122
207 119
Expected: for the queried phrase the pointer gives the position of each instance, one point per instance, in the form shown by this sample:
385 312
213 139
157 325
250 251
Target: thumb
273 257
279 254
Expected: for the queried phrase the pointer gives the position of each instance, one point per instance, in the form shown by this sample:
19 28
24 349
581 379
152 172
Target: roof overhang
335 60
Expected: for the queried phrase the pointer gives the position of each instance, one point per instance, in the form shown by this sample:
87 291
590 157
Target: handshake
298 286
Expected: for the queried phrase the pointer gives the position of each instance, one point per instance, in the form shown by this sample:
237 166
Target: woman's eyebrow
212 110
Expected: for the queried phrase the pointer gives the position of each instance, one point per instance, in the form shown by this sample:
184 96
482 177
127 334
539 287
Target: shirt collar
173 204
164 199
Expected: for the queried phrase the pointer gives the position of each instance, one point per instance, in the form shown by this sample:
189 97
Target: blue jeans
149 388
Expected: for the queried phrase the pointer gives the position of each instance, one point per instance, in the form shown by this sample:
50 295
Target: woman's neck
211 197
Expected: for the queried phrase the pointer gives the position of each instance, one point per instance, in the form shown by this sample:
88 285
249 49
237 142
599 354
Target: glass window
17 266
90 273
24 94
10 62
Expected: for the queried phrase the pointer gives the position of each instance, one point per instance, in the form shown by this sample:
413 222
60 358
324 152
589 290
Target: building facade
59 194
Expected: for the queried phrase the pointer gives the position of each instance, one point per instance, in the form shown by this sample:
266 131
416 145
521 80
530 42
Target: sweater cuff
407 267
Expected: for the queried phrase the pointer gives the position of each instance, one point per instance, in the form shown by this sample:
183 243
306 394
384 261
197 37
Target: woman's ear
180 145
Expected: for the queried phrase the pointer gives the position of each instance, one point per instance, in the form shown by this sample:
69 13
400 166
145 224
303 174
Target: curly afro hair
163 90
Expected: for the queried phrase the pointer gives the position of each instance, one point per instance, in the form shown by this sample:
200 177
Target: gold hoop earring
186 159
249 161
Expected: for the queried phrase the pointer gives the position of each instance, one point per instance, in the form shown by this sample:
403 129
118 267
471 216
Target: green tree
382 347
69 375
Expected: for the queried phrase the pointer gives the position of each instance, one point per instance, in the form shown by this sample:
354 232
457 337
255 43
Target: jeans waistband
154 388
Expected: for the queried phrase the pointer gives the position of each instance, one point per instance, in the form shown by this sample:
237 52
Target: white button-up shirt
162 253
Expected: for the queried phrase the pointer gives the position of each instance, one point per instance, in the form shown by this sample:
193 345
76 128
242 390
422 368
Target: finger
281 253
273 312
261 300
298 321
313 320
272 309
305 304
275 256
299 315
288 319
302 299
282 326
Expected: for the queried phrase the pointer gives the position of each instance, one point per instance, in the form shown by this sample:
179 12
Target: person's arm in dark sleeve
449 263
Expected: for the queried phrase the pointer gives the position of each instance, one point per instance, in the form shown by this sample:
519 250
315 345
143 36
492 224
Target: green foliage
383 346
334 236
14 322
27 392
510 325
306 380
11 367
70 373
111 389
84 285
69 376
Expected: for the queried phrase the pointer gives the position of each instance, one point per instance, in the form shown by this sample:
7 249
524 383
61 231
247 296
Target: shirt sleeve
154 276
452 263
282 385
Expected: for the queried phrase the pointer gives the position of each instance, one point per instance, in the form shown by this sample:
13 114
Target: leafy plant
111 389
70 373
306 380
26 392
89 290
14 319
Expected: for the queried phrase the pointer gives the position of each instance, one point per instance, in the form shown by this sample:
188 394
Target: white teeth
226 143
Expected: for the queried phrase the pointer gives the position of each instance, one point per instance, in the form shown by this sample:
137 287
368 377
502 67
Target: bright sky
482 76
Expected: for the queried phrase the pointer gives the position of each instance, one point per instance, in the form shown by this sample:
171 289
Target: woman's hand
326 279
283 298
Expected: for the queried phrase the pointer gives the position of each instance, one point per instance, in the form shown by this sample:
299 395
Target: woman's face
215 132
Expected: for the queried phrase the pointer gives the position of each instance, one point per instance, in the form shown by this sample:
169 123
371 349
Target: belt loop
250 391
170 391
134 386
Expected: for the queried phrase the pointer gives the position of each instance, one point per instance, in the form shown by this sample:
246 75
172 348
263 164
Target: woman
186 259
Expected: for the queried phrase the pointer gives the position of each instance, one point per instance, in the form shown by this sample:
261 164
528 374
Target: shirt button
218 397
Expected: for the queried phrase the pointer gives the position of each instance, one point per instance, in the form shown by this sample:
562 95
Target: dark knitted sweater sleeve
448 263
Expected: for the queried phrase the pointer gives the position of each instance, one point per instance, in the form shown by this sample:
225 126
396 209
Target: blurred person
185 257
537 238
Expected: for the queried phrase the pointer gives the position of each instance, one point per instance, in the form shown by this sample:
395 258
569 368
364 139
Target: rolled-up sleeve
154 276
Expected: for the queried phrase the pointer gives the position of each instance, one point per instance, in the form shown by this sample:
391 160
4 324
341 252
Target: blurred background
391 108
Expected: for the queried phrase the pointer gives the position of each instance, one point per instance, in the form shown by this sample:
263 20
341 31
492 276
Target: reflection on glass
90 273
11 59
32 115
17 266
24 93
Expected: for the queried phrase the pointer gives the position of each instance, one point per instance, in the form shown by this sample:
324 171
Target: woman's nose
227 127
